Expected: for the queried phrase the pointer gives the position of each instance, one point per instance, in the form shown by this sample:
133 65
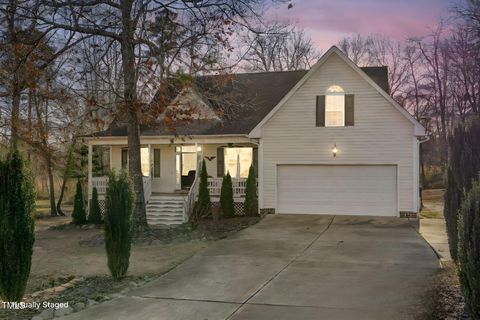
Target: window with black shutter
156 163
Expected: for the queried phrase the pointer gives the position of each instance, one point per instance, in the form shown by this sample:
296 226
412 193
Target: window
335 107
125 159
144 160
238 161
100 160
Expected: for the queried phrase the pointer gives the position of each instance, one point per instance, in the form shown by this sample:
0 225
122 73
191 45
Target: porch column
111 157
150 171
90 151
197 162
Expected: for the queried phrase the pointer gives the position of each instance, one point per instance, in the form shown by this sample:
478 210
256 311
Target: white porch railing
239 187
101 184
190 199
147 188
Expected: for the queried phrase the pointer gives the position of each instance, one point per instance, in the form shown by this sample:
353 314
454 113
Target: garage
337 189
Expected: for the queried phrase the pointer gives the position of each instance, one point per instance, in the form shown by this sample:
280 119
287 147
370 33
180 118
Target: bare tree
278 47
132 24
357 48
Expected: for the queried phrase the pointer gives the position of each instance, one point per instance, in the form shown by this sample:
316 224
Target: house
325 141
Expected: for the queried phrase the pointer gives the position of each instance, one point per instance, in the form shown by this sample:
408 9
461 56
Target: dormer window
335 107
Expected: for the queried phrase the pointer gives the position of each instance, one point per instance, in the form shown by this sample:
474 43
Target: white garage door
337 189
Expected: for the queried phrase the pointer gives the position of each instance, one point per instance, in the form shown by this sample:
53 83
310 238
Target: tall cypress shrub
469 249
119 200
250 205
94 212
463 167
226 197
17 203
204 206
78 215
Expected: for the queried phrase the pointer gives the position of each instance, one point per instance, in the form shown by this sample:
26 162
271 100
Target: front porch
171 173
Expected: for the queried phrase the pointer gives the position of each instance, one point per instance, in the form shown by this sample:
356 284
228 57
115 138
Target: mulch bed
206 230
445 299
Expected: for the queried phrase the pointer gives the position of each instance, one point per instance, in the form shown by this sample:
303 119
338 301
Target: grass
42 207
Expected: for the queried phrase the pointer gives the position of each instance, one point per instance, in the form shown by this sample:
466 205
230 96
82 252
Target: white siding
210 150
381 135
166 181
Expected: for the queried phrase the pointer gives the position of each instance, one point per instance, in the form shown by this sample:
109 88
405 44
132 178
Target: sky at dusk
328 21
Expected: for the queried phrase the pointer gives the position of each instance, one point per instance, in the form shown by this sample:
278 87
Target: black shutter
220 162
124 158
320 111
156 163
349 110
255 161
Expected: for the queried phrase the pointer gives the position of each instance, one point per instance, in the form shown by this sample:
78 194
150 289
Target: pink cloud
329 21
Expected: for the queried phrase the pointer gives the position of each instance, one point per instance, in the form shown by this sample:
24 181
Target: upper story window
335 107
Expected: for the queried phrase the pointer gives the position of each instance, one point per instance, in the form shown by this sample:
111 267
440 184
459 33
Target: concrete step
165 210
162 198
165 205
163 220
165 213
165 217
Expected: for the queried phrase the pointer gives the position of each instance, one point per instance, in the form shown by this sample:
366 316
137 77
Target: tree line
71 67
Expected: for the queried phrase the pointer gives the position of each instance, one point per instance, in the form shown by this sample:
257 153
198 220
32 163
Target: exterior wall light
199 149
334 150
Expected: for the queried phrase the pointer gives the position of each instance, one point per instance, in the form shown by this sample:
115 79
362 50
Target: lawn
70 264
432 204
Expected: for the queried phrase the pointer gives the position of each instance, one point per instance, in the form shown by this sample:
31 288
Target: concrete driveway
292 267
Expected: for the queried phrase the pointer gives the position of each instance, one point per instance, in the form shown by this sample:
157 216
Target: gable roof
257 97
419 129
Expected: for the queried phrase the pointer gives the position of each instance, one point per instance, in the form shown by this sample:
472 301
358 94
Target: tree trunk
60 196
15 117
66 176
53 209
133 128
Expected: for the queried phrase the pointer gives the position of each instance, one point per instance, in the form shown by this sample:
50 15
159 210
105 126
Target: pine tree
78 215
463 167
119 201
250 205
204 205
17 203
94 212
468 249
226 197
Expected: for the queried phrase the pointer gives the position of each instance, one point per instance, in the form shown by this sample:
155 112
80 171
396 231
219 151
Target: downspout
426 138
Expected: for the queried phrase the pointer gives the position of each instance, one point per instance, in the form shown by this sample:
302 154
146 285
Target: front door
185 166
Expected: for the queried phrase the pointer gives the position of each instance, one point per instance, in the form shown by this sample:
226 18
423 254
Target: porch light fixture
199 149
334 150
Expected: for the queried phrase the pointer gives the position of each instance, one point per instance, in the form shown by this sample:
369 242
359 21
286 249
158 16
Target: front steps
165 209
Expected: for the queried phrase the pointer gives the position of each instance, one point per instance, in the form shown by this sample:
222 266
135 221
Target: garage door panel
338 189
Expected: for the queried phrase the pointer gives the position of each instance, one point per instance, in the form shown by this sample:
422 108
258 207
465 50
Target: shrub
463 167
17 202
226 197
119 200
94 212
204 206
250 205
469 249
78 215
